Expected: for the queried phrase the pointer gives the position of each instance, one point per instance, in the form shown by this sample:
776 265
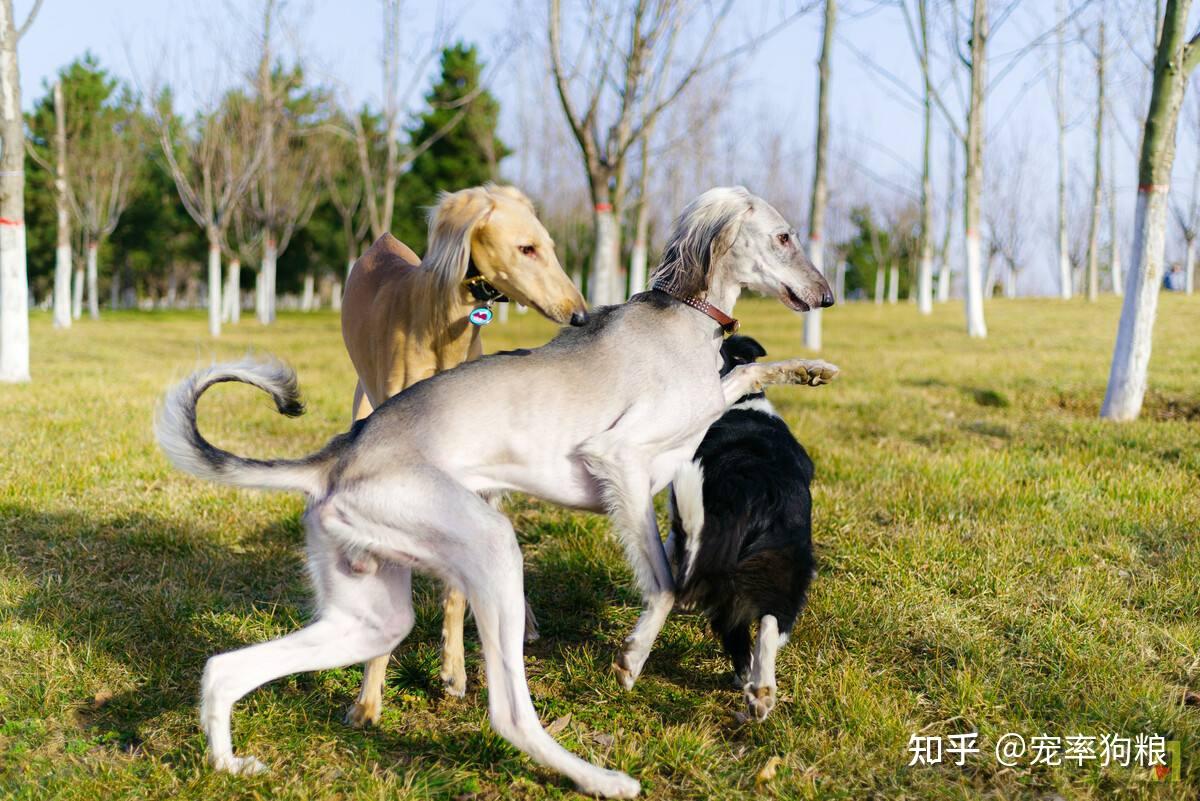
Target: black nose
581 317
826 299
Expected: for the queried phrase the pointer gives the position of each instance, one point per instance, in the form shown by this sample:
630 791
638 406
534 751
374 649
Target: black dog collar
479 287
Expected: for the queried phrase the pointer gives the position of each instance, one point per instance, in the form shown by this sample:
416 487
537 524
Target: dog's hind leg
760 690
367 708
362 615
473 547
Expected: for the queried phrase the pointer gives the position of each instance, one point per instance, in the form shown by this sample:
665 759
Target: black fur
755 555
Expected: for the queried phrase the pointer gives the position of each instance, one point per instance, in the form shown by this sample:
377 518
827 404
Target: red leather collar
728 324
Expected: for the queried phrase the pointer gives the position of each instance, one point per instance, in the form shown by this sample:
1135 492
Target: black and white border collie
741 532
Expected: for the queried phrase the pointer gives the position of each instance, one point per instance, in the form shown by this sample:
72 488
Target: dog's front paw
809 372
362 714
454 682
239 766
760 700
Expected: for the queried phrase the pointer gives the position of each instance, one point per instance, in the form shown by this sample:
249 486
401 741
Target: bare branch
37 5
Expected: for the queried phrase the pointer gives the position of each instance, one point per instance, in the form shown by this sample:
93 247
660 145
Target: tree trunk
114 291
925 267
607 255
214 285
1114 243
641 231
266 303
973 181
93 281
335 295
1131 354
879 283
893 282
840 282
1189 269
945 274
62 251
816 217
77 295
306 300
14 281
1093 252
1064 258
233 292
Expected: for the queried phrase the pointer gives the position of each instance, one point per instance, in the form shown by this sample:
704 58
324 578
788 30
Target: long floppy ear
703 233
452 223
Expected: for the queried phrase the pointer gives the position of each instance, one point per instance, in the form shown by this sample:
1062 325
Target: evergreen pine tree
468 155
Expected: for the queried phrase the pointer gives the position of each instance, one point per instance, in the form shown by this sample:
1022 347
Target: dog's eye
528 250
783 238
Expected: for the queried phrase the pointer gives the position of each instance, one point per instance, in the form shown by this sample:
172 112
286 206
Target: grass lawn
992 559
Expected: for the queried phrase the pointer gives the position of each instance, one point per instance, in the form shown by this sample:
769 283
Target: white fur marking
689 500
756 405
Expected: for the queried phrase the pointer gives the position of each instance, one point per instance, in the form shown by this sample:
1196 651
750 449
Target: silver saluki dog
599 419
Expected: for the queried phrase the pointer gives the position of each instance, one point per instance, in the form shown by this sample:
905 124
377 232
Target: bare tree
920 41
1187 213
973 182
105 163
627 65
1114 236
1060 112
1093 253
213 166
816 217
284 196
14 278
63 314
1175 58
945 273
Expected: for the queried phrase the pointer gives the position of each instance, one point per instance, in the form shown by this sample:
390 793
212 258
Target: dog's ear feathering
704 232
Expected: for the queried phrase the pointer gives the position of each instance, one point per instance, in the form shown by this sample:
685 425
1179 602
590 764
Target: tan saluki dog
404 320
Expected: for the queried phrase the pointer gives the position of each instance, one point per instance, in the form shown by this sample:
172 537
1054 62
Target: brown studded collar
728 324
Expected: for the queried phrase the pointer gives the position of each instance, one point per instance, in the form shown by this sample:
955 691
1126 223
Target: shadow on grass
159 599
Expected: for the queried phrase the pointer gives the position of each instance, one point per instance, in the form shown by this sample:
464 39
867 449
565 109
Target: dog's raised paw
239 766
360 715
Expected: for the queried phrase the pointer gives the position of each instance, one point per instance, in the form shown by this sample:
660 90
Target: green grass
992 559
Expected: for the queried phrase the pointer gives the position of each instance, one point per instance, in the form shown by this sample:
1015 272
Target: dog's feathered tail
179 437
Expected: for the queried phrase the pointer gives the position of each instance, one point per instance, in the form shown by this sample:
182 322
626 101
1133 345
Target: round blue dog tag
481 316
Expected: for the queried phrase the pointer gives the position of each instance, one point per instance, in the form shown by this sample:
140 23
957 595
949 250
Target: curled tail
178 436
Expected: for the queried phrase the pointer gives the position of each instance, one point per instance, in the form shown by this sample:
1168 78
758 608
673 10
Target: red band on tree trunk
603 207
8 221
1143 188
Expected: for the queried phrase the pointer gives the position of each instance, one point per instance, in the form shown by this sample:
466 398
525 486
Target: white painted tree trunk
943 285
1010 283
893 282
1131 355
812 319
925 286
1114 240
606 258
976 327
266 312
839 284
14 279
93 281
637 266
335 296
1189 269
879 284
214 288
62 285
307 299
77 295
233 292
502 312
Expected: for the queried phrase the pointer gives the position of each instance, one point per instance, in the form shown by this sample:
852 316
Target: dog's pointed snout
826 299
579 318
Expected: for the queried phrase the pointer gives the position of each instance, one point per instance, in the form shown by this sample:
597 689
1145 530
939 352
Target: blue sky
195 46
